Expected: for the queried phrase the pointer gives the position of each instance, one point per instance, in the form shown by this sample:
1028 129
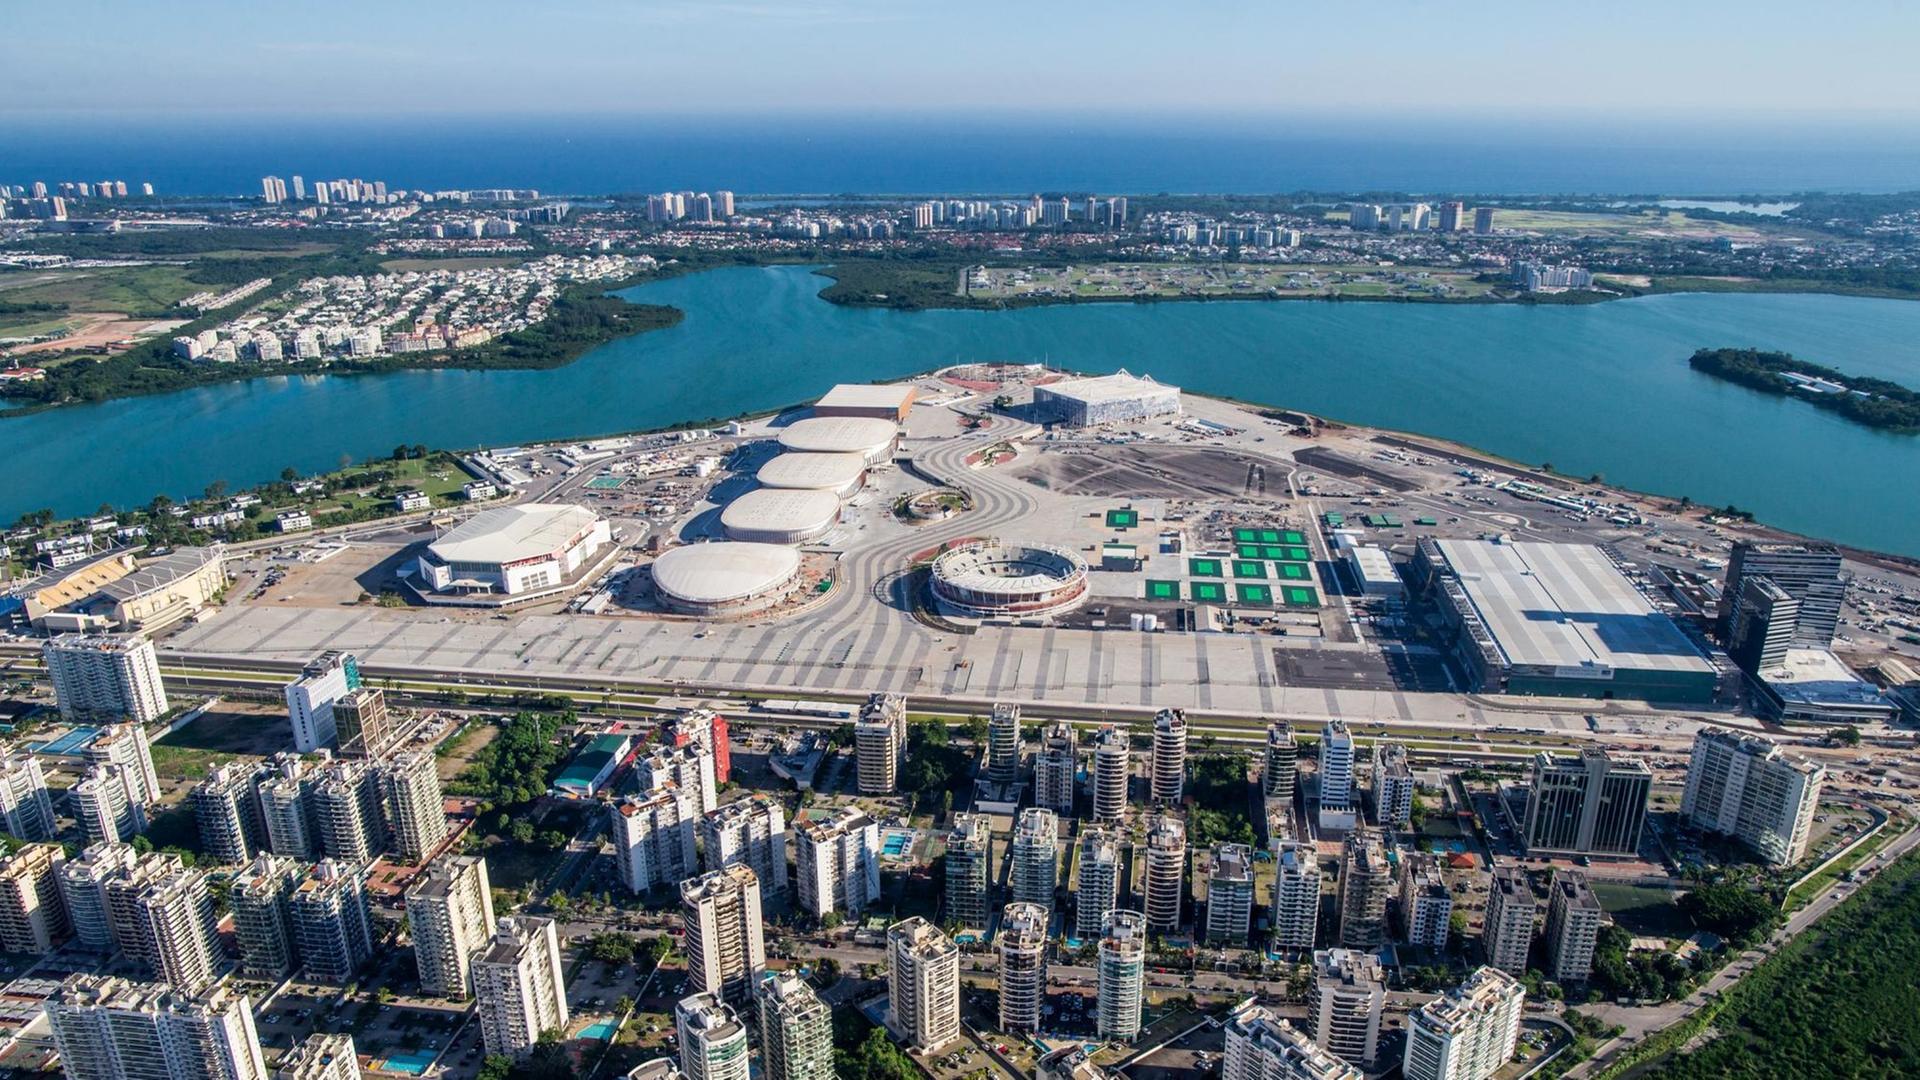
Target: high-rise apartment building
1336 769
126 746
1022 946
26 807
33 916
286 806
1262 1046
227 810
1392 786
162 918
1467 1033
749 832
331 922
1280 768
1229 893
1426 904
107 1028
1745 787
725 944
653 837
450 915
1003 744
1574 918
83 890
346 808
519 985
105 805
689 767
363 726
108 676
706 729
1593 804
261 901
1511 908
320 1056
880 743
713 1040
1349 990
796 1030
1035 861
1169 775
1483 221
923 985
836 864
1110 770
415 807
1764 625
1120 975
1366 880
1810 573
1165 874
1098 889
1055 767
310 698
969 870
1296 897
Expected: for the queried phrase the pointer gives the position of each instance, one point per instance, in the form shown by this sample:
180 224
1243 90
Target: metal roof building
514 549
726 578
1561 619
857 399
781 515
841 474
1106 399
864 435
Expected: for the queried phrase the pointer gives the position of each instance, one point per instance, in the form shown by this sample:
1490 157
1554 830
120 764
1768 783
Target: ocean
962 153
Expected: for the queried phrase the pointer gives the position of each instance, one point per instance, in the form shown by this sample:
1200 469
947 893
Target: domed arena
992 579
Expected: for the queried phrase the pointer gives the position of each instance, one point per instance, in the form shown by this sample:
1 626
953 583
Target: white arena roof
838 473
722 572
1119 386
794 511
839 435
863 396
1566 606
507 534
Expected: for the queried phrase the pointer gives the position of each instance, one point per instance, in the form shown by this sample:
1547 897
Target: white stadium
991 579
726 578
781 515
513 551
872 439
841 474
1106 399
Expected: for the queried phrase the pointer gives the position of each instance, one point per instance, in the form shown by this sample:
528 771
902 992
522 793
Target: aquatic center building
1105 399
1558 620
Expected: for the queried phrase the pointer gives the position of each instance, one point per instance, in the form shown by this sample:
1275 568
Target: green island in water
1875 403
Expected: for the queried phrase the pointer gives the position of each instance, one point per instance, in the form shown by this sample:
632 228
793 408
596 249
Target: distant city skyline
1628 59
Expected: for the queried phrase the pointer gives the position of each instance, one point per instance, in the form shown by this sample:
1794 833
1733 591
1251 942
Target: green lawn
1641 910
133 290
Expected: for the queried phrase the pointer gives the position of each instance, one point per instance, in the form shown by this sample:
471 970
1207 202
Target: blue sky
1676 59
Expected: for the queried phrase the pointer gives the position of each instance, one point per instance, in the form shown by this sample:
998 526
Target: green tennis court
1293 571
606 483
1300 596
1247 551
1163 590
1254 594
1247 568
1269 536
1203 567
1122 519
1292 536
1291 554
1206 592
1245 536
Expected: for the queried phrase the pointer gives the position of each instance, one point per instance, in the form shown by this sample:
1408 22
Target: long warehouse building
1558 620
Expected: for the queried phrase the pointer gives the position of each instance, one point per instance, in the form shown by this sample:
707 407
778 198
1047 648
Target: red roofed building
709 729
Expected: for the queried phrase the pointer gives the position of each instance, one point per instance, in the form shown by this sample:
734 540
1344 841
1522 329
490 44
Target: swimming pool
601 1030
409 1062
70 743
896 845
